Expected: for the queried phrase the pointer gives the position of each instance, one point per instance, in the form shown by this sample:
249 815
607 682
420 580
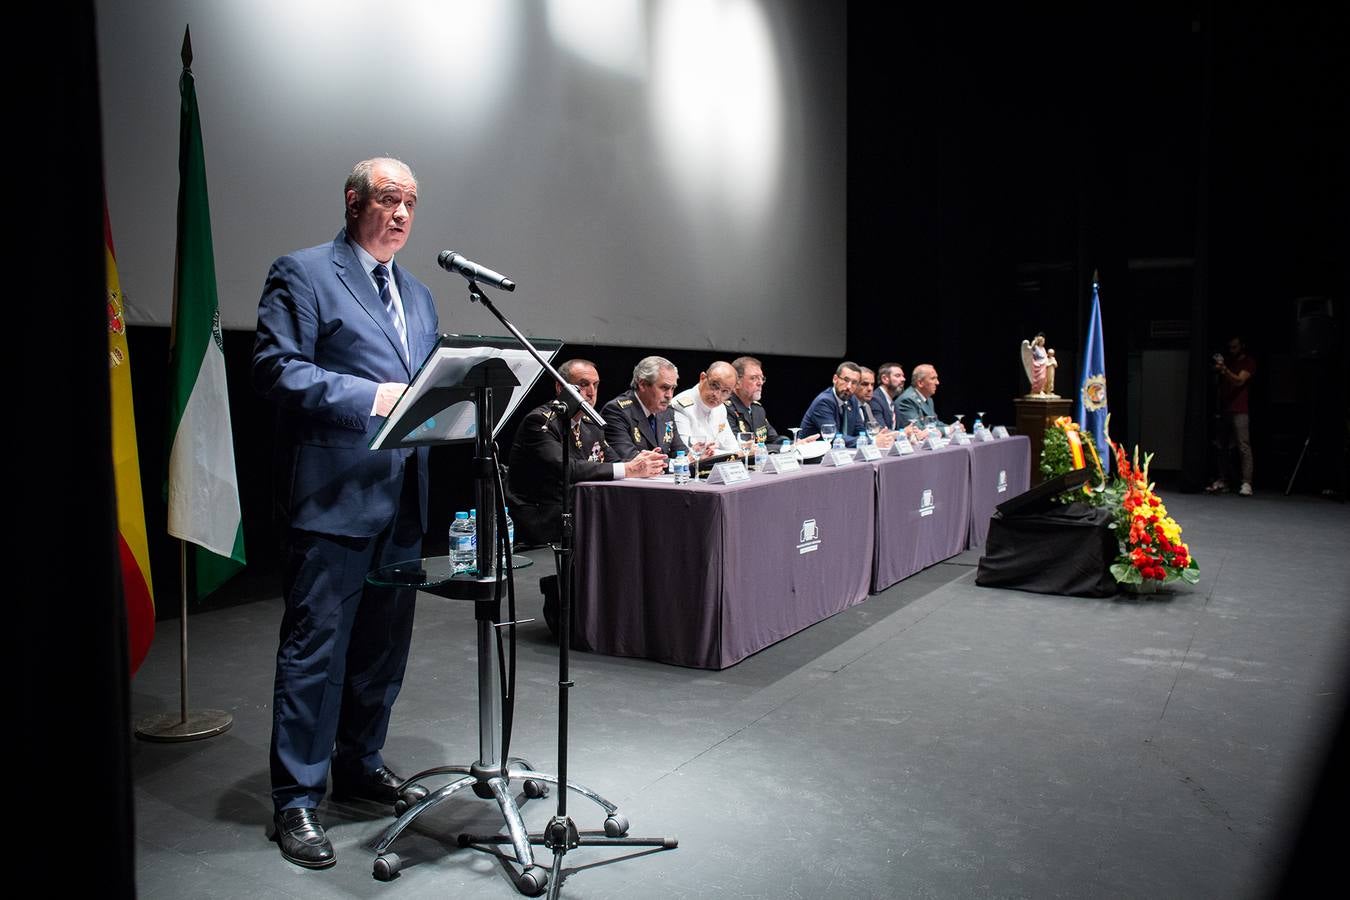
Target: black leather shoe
302 839
382 786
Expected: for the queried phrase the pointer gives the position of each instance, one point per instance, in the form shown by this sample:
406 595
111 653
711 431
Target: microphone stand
561 833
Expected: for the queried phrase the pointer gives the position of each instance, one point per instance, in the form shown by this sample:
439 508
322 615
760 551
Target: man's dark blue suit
325 343
825 409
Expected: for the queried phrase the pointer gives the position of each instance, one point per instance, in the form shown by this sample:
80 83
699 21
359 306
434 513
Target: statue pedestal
1034 415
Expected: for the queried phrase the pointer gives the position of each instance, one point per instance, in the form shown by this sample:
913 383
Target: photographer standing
1235 370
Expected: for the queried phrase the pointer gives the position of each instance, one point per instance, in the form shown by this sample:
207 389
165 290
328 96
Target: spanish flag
132 544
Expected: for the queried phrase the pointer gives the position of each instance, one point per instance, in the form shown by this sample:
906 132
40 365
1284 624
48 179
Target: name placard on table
869 452
837 458
902 447
728 473
1000 432
781 462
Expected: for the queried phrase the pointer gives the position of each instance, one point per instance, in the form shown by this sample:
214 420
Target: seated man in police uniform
743 409
640 418
534 484
837 406
701 412
542 442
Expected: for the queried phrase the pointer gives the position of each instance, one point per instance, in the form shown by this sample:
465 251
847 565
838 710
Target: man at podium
341 330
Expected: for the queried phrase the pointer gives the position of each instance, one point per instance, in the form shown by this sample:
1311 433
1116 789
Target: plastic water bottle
863 439
463 557
473 523
838 441
761 456
679 467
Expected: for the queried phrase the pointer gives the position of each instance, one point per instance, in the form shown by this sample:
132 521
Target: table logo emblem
926 505
809 537
1002 481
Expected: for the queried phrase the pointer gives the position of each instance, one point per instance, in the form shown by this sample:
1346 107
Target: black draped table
705 575
999 470
922 512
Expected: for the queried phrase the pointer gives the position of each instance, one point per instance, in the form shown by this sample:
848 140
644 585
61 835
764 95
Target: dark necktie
387 298
651 420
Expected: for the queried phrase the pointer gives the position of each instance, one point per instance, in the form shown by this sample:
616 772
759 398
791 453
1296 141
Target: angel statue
1039 363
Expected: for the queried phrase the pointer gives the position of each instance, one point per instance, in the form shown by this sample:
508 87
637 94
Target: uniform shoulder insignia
683 404
755 403
549 414
625 402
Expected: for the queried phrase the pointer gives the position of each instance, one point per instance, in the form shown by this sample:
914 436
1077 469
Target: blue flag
1092 410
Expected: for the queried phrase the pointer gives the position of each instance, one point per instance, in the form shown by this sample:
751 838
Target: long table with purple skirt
705 575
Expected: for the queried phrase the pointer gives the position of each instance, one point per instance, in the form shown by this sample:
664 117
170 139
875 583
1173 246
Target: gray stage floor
938 740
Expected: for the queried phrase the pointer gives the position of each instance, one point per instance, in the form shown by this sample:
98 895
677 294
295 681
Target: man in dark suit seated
890 382
873 408
544 440
342 327
641 418
837 406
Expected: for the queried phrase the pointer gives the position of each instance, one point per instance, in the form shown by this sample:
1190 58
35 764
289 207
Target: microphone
451 261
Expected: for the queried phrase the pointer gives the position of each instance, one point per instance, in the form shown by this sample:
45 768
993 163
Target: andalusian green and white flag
202 490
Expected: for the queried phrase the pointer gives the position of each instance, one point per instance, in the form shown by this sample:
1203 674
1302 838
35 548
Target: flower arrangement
1151 549
1152 552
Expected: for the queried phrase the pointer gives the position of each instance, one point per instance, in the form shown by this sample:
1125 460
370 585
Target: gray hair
922 372
650 368
361 181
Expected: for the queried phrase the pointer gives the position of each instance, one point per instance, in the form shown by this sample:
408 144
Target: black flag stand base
185 725
167 728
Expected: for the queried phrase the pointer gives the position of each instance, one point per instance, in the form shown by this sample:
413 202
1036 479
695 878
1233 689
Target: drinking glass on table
827 432
747 442
698 445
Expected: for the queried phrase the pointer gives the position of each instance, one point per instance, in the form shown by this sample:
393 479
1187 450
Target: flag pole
173 728
204 723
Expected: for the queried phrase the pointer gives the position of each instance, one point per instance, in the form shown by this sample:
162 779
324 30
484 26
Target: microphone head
446 260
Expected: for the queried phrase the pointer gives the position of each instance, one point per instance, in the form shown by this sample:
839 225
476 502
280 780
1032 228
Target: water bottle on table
463 557
679 467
